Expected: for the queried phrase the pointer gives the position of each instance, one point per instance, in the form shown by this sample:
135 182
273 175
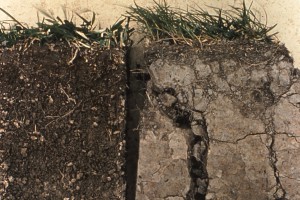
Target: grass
164 23
160 22
51 29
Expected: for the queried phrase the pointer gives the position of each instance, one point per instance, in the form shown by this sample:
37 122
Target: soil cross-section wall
221 122
62 122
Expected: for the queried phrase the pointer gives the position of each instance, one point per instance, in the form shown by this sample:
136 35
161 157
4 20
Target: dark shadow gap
135 102
198 151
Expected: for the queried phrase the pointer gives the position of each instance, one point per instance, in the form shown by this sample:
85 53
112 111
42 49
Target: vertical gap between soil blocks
135 102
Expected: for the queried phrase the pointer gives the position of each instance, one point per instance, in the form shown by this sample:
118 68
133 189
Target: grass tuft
161 22
51 29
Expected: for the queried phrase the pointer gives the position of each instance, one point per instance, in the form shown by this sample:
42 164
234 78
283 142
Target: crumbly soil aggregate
62 122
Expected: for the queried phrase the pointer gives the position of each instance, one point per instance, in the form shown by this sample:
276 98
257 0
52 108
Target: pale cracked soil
237 105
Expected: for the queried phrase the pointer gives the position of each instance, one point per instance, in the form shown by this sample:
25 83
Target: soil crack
280 192
198 150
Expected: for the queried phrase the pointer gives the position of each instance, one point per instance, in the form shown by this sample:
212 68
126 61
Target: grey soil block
221 122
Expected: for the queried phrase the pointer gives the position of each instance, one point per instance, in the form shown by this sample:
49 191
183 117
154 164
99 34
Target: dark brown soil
62 121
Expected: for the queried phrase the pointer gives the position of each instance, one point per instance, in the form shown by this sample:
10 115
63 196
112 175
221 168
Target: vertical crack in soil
198 142
135 102
198 150
280 193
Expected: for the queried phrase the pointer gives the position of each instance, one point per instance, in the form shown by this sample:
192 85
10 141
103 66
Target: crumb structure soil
62 122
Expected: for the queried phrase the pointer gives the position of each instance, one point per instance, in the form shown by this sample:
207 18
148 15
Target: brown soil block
62 122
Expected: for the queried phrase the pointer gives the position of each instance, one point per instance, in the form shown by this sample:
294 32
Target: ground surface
61 123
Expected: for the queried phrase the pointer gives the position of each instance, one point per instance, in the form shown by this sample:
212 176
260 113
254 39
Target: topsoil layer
62 121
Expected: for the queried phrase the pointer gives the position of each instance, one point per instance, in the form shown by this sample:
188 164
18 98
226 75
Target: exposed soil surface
62 121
